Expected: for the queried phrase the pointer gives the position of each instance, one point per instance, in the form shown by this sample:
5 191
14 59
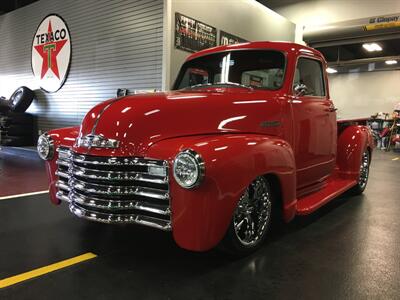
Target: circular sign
51 53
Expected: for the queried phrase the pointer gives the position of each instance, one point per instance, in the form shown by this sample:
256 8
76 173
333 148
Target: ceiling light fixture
372 47
331 70
391 62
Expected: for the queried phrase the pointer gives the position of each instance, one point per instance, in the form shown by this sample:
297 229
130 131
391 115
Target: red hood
141 120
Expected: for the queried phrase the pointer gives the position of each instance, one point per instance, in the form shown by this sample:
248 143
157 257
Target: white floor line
23 195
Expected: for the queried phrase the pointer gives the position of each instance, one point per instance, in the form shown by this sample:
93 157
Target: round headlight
188 169
45 147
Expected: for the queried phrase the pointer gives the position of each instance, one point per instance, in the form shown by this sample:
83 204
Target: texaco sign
51 53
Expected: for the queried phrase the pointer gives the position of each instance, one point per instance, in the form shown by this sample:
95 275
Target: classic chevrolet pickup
247 137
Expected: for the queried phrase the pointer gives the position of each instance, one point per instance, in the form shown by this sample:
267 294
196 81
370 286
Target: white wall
364 94
247 19
355 94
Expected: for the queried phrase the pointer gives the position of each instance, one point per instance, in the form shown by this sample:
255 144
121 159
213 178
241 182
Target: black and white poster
192 35
229 39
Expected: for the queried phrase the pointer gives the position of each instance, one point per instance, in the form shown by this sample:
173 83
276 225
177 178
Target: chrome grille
114 189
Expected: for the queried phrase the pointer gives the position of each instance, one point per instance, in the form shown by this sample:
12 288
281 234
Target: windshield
245 68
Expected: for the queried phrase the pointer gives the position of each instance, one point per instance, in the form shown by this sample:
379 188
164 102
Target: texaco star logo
51 53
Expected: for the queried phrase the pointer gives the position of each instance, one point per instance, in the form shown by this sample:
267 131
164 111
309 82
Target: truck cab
247 137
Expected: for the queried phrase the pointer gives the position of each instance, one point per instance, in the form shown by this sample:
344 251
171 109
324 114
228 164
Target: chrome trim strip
62 162
116 190
119 218
61 196
96 122
62 174
117 175
64 150
62 185
118 204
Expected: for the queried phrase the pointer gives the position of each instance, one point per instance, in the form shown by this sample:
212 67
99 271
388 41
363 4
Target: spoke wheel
251 219
364 170
364 174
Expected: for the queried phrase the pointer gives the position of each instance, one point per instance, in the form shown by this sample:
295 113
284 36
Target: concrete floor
17 164
348 249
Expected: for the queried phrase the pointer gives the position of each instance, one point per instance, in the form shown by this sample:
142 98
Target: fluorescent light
372 47
391 62
331 70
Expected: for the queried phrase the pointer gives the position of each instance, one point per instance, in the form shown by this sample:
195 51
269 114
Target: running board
310 203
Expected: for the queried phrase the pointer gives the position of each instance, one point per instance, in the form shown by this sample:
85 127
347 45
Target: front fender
352 142
65 137
201 216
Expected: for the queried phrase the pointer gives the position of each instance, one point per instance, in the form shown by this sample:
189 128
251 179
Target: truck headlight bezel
45 147
190 162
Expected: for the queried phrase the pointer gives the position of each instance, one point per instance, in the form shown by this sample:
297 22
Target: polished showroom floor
348 249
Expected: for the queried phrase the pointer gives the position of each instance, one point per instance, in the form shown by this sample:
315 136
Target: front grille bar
117 190
119 205
116 161
79 211
117 175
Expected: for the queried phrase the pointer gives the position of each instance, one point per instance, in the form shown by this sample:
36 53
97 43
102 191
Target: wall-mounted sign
192 35
383 22
51 53
229 39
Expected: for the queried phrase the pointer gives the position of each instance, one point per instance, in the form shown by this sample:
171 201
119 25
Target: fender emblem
96 141
266 124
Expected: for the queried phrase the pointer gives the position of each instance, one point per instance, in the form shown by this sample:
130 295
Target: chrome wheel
253 213
364 170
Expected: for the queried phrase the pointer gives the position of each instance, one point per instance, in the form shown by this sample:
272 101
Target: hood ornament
96 141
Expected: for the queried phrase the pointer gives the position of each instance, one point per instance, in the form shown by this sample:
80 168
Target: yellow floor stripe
396 158
44 270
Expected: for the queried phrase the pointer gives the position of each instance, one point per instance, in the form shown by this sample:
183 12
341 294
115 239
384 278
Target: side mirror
300 89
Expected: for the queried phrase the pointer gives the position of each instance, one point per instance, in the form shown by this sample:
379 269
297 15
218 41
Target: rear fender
201 216
352 142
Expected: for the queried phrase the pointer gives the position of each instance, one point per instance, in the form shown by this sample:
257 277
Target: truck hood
139 121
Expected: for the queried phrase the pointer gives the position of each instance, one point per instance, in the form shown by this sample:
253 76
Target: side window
309 72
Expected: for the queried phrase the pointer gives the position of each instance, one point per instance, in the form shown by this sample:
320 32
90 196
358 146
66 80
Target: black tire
21 99
364 174
256 202
17 141
4 106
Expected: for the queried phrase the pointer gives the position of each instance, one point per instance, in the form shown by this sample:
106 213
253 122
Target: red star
49 51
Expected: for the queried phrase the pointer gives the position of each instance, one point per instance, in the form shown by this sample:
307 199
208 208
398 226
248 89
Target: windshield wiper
197 85
220 83
236 84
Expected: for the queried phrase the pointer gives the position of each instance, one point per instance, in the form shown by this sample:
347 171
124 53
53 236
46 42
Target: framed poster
192 35
229 39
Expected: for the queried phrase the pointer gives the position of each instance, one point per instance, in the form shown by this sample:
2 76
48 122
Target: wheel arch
201 216
276 187
352 142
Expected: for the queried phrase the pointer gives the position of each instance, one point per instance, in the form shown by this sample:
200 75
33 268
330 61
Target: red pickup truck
247 136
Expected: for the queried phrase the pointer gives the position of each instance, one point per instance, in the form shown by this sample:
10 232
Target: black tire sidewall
24 101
